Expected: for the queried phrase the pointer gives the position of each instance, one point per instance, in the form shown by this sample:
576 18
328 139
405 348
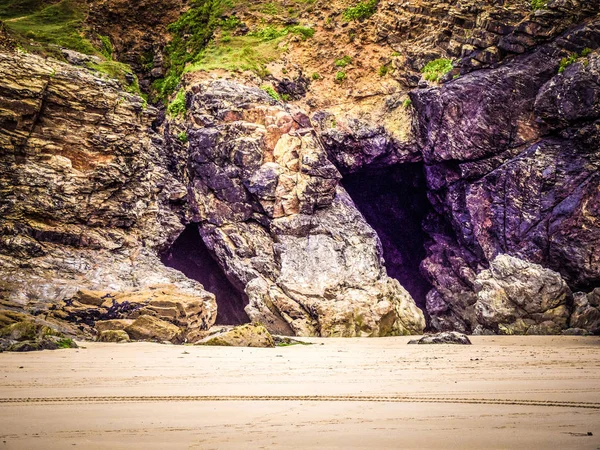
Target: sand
501 392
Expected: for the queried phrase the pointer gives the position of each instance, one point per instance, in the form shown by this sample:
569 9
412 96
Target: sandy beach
501 392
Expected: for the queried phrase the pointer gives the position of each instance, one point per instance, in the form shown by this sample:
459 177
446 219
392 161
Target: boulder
518 297
249 335
113 336
153 329
112 325
104 310
446 337
586 311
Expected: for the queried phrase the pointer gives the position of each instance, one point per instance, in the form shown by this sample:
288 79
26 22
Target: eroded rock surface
270 208
91 195
86 198
517 297
586 311
512 166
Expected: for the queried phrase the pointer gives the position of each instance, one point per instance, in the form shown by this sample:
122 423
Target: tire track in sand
298 398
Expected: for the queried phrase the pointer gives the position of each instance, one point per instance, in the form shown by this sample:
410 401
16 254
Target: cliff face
92 195
511 157
86 196
480 188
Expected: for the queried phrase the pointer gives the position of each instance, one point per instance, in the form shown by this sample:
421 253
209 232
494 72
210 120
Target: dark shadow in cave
394 202
189 255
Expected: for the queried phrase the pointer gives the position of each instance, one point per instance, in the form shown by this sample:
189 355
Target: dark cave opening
394 202
189 255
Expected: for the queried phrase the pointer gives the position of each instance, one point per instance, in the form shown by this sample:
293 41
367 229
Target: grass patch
119 71
436 69
572 58
182 137
107 47
384 70
177 107
343 62
363 10
238 54
55 24
538 4
66 343
272 92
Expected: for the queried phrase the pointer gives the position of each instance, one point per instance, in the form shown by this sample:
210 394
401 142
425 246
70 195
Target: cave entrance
189 255
394 202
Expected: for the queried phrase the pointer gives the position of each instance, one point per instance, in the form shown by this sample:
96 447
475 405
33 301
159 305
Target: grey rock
446 337
518 297
586 313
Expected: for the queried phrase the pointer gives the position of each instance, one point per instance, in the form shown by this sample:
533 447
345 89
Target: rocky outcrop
91 196
271 210
86 197
517 297
512 168
446 337
161 313
27 336
586 311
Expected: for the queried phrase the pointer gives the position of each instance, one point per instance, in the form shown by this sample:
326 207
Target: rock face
91 195
270 208
517 297
446 337
95 187
512 167
86 197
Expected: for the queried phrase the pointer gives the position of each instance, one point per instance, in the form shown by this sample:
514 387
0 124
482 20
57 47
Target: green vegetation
538 4
384 70
57 24
66 343
270 33
272 92
572 58
190 35
182 137
119 71
363 10
315 76
271 9
343 62
241 53
193 46
107 47
340 77
177 107
436 69
407 103
305 32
